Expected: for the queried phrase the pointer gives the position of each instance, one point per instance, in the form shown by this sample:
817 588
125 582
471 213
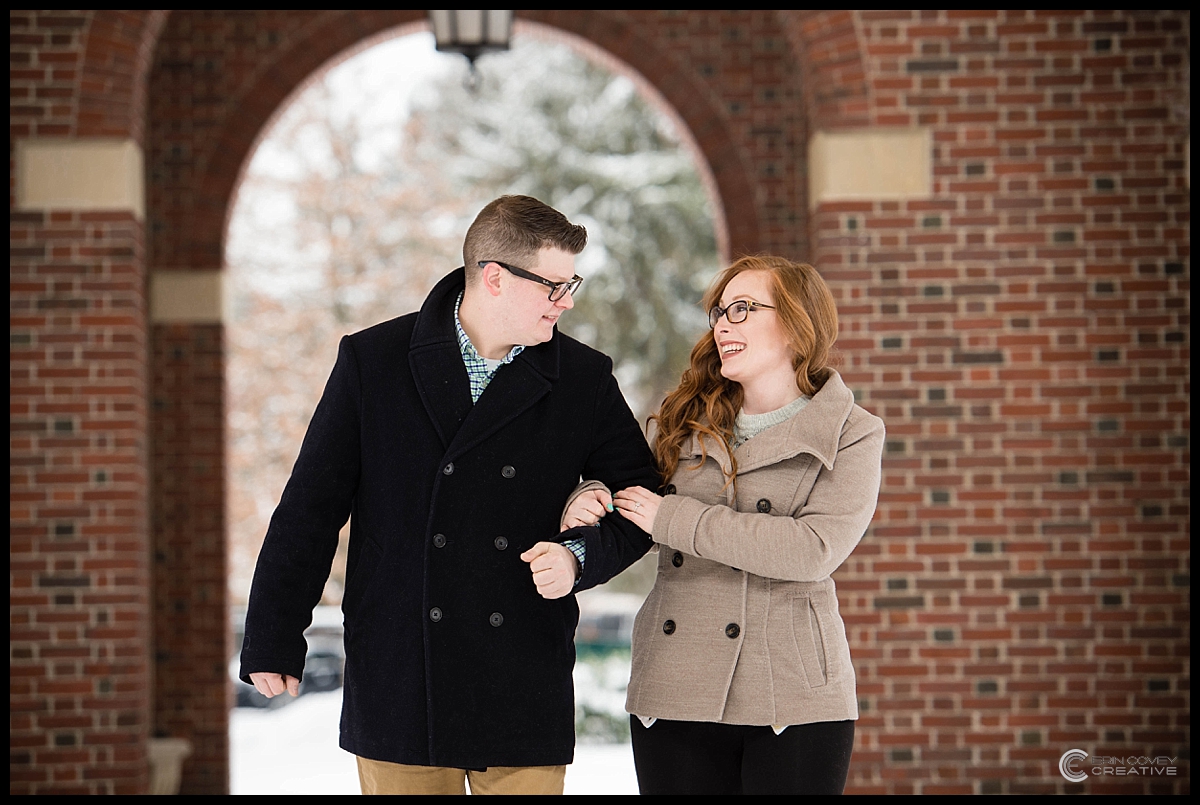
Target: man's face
530 316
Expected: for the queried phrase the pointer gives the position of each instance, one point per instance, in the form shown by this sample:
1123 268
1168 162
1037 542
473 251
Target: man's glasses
736 313
557 289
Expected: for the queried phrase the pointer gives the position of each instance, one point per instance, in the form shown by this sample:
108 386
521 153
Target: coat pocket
810 641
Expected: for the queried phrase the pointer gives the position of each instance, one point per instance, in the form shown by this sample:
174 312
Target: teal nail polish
608 506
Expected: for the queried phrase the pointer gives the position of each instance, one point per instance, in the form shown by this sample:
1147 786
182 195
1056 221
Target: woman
741 679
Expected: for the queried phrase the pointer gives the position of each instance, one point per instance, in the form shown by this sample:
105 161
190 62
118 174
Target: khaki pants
381 777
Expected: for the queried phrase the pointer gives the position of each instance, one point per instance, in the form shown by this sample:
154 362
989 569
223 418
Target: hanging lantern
471 33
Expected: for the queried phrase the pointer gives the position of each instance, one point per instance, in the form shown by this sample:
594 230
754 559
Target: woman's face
756 349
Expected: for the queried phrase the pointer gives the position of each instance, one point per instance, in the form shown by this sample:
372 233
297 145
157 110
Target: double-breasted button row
495 619
731 631
508 470
501 543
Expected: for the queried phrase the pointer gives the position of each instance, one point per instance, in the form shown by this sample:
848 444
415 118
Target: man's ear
490 278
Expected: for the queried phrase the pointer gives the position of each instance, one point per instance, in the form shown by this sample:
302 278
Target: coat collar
435 326
441 378
815 430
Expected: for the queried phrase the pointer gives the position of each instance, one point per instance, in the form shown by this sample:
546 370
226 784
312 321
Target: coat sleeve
808 546
302 537
619 458
584 486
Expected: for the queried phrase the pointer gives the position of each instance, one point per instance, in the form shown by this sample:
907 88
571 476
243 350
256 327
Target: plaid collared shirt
480 375
477 367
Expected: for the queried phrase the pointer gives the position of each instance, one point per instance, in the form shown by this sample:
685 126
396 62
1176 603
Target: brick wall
192 639
79 711
79 591
1024 332
45 58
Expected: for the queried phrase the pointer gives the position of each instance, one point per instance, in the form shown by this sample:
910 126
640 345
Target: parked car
605 621
323 664
605 625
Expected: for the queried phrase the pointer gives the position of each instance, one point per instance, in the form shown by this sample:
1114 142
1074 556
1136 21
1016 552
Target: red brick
853 63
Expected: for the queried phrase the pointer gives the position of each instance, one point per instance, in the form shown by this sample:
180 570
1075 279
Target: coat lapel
701 444
441 378
443 386
513 390
815 430
436 361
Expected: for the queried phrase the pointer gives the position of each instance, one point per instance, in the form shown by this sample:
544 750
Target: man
452 438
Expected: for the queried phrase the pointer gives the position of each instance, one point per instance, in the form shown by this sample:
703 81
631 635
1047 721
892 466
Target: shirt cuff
577 547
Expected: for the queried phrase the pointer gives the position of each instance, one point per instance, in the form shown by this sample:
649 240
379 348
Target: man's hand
271 685
587 508
554 568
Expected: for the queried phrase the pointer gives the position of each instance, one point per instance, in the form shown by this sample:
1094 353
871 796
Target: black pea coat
452 658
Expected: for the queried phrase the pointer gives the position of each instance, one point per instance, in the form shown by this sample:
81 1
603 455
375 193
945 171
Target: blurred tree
550 124
347 217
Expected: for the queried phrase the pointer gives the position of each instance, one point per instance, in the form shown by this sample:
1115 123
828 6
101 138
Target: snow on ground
294 750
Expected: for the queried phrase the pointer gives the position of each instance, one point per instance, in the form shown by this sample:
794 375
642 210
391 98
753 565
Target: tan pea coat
742 624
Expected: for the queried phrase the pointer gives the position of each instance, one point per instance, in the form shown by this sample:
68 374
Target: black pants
690 757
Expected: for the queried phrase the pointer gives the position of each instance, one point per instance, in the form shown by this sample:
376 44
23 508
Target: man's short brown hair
513 229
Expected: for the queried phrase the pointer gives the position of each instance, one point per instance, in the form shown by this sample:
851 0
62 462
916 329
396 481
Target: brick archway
217 80
1021 321
187 234
117 41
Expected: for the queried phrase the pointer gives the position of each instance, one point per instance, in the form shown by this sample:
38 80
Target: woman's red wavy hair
705 402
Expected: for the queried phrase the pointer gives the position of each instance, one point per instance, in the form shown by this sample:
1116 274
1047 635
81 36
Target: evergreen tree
551 124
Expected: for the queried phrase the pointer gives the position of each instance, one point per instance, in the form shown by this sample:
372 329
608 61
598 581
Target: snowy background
294 749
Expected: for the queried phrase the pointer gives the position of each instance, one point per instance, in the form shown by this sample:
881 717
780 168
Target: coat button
732 631
448 469
764 505
439 540
508 471
669 489
669 627
435 614
496 619
677 559
501 543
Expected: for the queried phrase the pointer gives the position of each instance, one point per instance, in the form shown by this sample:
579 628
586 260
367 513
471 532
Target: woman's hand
587 509
639 506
